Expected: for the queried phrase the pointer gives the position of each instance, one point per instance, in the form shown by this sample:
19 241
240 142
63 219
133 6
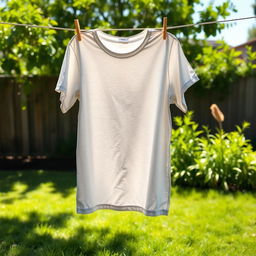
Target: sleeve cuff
194 78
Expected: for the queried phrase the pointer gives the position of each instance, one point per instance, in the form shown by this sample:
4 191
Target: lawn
37 217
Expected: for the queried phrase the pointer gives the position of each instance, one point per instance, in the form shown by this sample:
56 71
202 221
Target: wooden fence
42 129
239 105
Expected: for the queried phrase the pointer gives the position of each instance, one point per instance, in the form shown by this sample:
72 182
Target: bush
221 160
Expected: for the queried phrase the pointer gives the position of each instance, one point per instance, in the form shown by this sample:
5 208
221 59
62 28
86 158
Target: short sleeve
68 84
181 75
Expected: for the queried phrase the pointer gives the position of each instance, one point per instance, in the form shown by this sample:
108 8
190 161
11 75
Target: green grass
37 217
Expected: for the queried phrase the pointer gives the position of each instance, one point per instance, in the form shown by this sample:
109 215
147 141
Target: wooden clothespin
78 32
164 28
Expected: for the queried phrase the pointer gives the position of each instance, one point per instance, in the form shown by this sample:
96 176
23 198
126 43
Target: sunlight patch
19 187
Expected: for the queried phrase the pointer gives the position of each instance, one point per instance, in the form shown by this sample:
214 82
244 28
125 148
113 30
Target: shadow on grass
33 179
25 238
186 191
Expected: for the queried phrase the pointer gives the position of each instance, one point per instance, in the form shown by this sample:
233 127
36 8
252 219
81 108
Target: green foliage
211 14
223 65
30 51
250 67
184 149
221 160
251 33
26 51
39 51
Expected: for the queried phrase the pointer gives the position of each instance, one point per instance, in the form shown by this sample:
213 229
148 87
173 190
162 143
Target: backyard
37 217
119 107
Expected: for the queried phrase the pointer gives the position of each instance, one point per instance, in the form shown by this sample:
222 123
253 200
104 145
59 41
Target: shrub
221 160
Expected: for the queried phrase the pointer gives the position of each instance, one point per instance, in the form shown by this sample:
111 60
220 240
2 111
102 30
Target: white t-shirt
125 86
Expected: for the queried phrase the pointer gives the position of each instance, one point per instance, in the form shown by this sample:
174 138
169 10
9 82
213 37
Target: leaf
225 184
208 175
176 175
182 173
237 169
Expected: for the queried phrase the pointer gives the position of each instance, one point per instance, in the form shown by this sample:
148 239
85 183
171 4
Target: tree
38 51
252 30
251 33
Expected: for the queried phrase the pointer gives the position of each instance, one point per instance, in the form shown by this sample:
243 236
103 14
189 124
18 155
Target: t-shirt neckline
113 38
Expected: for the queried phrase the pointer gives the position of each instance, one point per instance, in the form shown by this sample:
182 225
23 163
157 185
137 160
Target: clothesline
119 29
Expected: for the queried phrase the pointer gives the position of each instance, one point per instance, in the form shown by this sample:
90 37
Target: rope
109 29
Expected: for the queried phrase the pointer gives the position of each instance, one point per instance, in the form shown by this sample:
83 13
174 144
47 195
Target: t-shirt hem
122 208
